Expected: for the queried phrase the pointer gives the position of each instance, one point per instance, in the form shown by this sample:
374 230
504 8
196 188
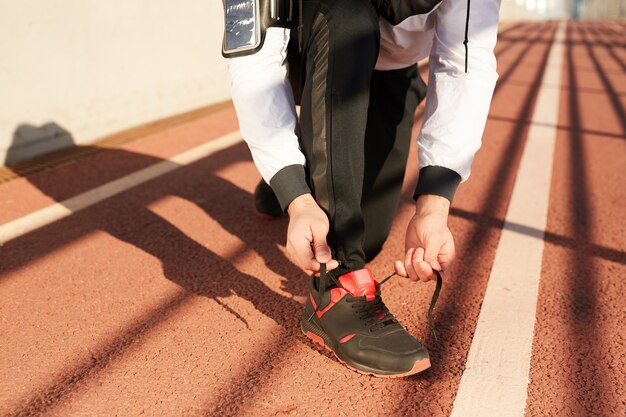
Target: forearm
458 100
265 108
455 118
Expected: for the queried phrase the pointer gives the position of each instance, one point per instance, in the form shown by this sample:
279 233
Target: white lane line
496 375
50 214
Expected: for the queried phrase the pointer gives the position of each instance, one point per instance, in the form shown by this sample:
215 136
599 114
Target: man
340 180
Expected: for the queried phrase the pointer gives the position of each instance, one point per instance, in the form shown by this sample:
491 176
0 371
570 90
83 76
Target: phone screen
242 31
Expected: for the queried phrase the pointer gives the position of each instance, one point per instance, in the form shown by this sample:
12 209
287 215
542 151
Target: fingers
302 254
423 269
306 244
321 250
447 254
311 266
415 267
400 269
405 268
432 251
429 246
408 262
331 265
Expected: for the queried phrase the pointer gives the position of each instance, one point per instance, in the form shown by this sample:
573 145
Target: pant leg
340 41
394 97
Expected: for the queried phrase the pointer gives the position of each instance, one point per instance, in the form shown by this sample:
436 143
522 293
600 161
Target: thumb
431 253
320 247
322 253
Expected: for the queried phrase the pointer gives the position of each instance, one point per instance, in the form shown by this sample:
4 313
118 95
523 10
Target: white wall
513 10
94 67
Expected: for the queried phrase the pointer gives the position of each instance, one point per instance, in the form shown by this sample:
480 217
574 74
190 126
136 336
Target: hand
306 235
429 245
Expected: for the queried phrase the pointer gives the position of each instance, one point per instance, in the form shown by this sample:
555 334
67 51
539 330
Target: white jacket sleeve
265 106
458 101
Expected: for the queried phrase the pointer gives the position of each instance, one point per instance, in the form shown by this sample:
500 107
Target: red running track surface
174 298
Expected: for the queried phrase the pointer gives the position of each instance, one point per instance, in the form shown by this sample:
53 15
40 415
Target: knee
372 251
375 236
354 26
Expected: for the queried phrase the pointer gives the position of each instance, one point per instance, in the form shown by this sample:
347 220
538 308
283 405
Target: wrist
300 203
432 204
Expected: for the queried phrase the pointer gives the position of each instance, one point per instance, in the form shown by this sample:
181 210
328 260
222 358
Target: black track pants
395 96
355 158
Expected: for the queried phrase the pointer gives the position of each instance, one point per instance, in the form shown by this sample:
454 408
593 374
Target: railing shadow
591 250
589 383
614 98
450 314
610 47
196 269
495 201
200 272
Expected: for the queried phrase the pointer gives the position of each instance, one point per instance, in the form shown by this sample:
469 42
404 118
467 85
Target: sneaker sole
317 335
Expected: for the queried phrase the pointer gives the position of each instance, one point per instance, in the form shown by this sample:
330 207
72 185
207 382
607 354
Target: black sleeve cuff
289 183
437 180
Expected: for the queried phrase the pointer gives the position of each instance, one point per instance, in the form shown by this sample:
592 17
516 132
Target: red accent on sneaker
359 283
347 337
336 294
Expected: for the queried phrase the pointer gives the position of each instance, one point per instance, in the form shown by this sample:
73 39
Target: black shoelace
374 311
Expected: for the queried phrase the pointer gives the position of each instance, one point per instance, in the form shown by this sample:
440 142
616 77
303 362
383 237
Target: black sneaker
353 322
265 201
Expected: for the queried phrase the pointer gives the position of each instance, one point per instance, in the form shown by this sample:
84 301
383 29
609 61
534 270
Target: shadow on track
197 270
567 128
476 249
587 389
616 103
609 43
592 249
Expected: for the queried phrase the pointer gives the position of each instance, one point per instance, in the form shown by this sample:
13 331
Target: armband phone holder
246 21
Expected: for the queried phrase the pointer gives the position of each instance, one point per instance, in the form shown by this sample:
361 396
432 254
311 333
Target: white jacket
457 102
